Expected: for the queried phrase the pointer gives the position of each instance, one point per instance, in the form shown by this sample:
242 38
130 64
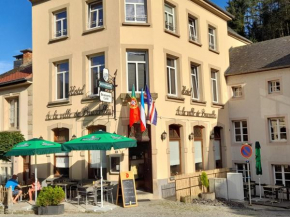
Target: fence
190 185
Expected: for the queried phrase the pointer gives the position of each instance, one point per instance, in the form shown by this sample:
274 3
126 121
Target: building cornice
35 2
213 8
240 38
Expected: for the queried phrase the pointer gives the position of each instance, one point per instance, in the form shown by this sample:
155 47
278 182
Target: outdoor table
65 185
274 188
95 188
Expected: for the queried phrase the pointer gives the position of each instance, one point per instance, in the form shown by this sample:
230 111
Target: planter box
50 210
208 196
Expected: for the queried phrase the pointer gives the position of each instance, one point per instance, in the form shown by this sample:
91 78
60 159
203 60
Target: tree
7 141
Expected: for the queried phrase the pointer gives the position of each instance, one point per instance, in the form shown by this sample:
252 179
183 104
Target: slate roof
262 56
22 72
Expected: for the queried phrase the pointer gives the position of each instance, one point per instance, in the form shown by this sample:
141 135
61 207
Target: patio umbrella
259 171
34 147
99 140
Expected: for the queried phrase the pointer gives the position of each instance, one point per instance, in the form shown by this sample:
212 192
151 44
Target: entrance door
217 148
26 168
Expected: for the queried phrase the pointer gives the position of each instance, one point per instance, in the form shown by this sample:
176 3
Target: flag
152 112
134 109
142 111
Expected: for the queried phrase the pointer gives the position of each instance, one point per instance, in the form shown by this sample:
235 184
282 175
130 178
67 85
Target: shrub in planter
49 200
205 185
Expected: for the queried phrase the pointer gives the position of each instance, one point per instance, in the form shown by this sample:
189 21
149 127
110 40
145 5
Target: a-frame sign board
127 190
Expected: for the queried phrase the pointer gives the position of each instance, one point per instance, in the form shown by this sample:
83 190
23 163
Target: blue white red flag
142 113
152 112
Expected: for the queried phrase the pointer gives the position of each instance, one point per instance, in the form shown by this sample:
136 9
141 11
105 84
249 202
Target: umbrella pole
260 186
102 199
35 186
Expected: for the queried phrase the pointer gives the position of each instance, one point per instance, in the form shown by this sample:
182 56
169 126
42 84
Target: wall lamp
191 136
73 137
163 135
40 137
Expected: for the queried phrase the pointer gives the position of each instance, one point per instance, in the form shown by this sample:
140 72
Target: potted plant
205 184
49 200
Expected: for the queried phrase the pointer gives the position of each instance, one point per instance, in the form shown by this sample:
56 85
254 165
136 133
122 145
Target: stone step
142 195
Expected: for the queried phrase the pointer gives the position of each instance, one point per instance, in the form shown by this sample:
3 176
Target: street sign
246 151
106 85
105 74
105 96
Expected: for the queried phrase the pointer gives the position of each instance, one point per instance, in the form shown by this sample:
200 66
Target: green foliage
204 180
50 196
7 141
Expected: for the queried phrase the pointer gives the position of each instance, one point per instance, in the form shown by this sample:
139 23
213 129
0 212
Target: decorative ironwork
193 113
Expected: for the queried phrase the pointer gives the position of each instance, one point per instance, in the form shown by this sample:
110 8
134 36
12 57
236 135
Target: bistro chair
83 193
108 191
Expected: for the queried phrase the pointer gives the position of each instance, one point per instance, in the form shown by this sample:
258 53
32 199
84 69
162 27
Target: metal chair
83 193
108 191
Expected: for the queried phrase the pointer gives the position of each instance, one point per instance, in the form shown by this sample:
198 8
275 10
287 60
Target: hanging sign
105 96
105 74
246 151
106 85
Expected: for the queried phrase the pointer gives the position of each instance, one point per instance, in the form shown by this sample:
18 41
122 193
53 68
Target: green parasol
259 171
99 140
34 147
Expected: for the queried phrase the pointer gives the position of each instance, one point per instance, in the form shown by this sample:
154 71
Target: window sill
274 94
175 98
281 142
237 98
198 102
136 24
54 40
214 51
195 42
217 105
89 31
90 99
172 33
58 103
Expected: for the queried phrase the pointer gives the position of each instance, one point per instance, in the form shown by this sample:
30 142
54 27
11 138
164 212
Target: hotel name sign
85 112
194 113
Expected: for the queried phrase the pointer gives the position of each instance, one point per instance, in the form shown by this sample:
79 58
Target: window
214 86
237 92
97 64
13 113
60 24
137 70
175 150
136 11
277 129
192 29
242 168
218 147
241 131
195 82
169 18
198 148
62 80
212 38
171 77
95 14
115 164
274 86
282 175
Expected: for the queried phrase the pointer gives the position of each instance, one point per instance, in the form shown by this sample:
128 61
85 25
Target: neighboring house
258 80
180 49
16 106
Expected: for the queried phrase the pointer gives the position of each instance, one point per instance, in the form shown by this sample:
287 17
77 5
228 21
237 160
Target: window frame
90 72
278 129
197 77
166 16
16 112
240 92
195 27
146 52
241 130
169 92
135 10
56 80
98 12
110 163
273 89
214 80
244 171
199 139
212 45
282 173
62 23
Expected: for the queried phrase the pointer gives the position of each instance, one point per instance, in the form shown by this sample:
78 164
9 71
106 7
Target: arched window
198 148
175 150
61 160
95 157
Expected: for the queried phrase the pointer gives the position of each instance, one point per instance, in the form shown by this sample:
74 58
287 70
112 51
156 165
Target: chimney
27 56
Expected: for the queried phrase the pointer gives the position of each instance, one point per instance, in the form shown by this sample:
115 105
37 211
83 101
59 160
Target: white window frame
239 93
192 29
63 33
278 129
169 92
195 74
115 156
167 15
98 14
212 38
241 128
90 74
273 87
136 67
13 113
244 171
214 81
135 10
63 77
282 172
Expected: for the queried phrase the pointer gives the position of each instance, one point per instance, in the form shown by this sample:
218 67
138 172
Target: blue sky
15 34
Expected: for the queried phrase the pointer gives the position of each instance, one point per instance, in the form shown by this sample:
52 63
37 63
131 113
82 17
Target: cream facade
180 49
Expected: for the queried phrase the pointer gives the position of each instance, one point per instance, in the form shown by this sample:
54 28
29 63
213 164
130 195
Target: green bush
7 141
204 180
50 196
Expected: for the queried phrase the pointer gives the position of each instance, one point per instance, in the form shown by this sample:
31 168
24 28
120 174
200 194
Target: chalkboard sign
128 189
